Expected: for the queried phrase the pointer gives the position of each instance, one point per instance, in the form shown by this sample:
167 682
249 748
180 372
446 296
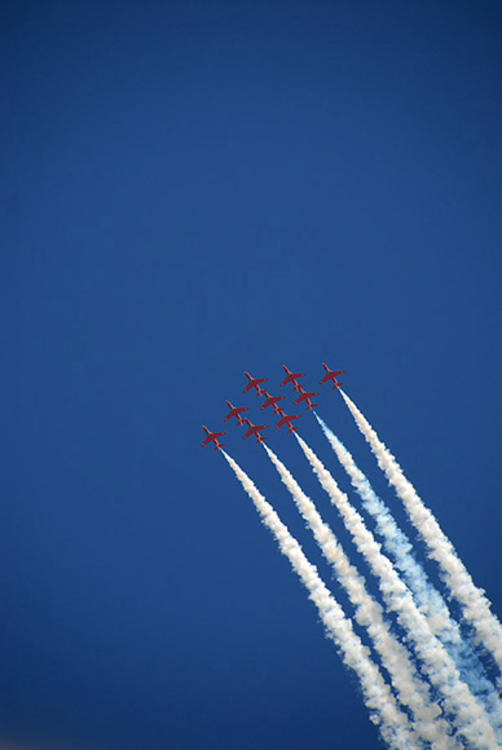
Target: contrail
476 607
469 717
411 691
393 723
426 596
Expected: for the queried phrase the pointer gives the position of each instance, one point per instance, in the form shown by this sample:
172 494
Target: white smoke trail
426 596
476 607
469 717
411 691
393 723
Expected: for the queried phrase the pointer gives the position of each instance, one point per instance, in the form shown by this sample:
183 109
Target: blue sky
191 190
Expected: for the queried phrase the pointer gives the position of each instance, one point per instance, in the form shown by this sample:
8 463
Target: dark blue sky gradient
189 190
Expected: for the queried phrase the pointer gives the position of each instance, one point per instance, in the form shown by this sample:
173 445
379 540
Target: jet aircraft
253 383
254 429
212 437
306 397
235 412
292 377
270 401
287 420
332 375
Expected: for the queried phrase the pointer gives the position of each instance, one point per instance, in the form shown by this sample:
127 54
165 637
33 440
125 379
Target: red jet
287 420
212 437
234 412
254 429
331 375
253 383
292 377
271 401
306 397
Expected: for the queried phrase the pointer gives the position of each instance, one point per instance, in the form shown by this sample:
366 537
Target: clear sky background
191 190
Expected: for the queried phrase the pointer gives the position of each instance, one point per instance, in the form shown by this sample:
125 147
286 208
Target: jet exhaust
393 724
467 714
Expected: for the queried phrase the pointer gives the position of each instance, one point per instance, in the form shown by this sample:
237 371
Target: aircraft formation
273 401
429 690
